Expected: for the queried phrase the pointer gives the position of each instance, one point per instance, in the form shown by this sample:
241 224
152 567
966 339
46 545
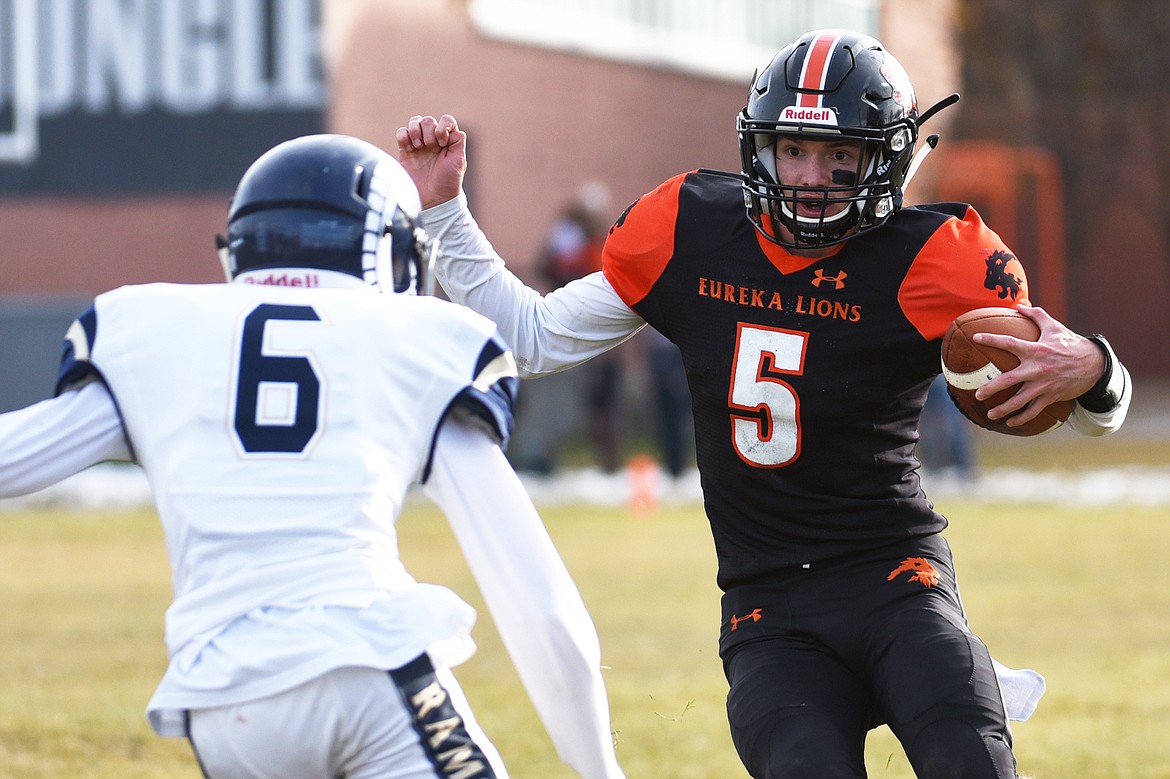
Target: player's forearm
570 697
536 607
54 439
546 333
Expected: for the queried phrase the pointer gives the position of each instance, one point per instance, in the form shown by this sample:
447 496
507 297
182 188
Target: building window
727 39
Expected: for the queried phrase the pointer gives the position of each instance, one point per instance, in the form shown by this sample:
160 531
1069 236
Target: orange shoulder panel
963 266
641 242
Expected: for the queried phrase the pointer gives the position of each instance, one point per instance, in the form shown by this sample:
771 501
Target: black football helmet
330 202
830 84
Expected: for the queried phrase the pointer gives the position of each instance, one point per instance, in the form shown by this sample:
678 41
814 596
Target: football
967 366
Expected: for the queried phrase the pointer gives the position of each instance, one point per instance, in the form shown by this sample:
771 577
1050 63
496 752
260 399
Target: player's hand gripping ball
968 366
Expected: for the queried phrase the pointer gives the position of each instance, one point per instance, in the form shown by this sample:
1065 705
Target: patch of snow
125 486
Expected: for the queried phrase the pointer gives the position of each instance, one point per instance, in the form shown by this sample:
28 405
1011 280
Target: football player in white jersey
280 419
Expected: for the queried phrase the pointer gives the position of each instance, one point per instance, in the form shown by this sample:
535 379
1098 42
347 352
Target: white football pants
356 723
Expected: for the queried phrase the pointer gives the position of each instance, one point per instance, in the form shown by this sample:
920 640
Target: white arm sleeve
54 439
545 333
535 604
1101 423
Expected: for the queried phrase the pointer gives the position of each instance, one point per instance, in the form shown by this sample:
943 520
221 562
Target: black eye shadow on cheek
844 178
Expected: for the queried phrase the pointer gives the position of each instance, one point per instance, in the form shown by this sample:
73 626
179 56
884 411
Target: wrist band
1106 393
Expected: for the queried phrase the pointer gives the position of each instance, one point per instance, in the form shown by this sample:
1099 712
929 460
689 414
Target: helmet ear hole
764 157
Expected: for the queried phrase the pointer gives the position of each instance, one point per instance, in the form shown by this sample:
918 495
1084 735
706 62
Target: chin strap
223 251
931 140
946 102
916 163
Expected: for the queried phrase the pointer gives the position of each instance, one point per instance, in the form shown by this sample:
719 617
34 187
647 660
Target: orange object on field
643 475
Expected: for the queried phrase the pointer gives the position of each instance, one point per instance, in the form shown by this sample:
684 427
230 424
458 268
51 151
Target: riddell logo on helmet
303 279
812 115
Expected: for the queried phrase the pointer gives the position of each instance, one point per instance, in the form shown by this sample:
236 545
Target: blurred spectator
671 398
572 245
572 249
944 443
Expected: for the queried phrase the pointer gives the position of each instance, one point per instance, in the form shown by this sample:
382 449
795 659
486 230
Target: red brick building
545 115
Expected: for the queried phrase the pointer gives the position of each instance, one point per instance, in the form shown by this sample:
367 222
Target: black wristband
1103 396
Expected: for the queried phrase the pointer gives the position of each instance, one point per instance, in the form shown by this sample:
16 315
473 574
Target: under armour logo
755 616
837 281
923 571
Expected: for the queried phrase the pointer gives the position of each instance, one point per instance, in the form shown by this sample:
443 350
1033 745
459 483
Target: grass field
1081 594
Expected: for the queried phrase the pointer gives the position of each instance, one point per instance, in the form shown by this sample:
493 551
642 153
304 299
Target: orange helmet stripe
816 68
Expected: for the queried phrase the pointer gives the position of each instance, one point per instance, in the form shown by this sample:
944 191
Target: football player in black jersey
810 323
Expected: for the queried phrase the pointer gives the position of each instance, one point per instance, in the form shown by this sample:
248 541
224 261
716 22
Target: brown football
968 366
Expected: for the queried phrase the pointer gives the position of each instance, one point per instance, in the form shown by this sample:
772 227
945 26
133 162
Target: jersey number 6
276 395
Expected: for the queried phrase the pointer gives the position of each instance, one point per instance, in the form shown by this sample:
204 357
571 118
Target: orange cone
642 472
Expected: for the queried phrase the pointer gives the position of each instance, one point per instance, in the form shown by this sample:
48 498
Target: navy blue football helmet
330 202
830 85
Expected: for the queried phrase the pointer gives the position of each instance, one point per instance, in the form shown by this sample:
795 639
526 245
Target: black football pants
827 652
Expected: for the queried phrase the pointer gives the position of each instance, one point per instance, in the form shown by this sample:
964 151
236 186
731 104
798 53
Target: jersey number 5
276 395
765 417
